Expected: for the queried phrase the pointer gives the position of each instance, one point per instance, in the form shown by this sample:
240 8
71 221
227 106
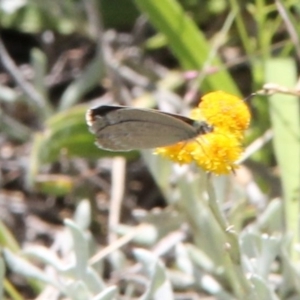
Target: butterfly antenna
248 98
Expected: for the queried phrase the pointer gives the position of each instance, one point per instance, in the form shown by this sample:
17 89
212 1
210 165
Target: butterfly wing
121 128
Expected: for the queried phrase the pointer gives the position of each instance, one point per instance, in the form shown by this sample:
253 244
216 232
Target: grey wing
131 135
109 115
138 136
121 128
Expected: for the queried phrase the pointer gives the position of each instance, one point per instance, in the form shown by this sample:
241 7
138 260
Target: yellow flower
223 110
216 151
180 152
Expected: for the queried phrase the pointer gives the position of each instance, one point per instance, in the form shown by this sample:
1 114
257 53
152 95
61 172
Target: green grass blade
186 41
284 110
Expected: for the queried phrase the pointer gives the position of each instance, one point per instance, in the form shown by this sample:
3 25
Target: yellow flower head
218 150
226 111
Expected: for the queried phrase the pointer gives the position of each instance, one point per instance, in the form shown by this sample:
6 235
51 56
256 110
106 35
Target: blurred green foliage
240 263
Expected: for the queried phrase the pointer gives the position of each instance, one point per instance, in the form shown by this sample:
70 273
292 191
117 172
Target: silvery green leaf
82 215
46 256
82 270
80 243
108 294
183 260
209 284
199 258
160 286
117 260
24 268
262 288
77 290
272 217
93 281
290 274
270 248
261 251
181 281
